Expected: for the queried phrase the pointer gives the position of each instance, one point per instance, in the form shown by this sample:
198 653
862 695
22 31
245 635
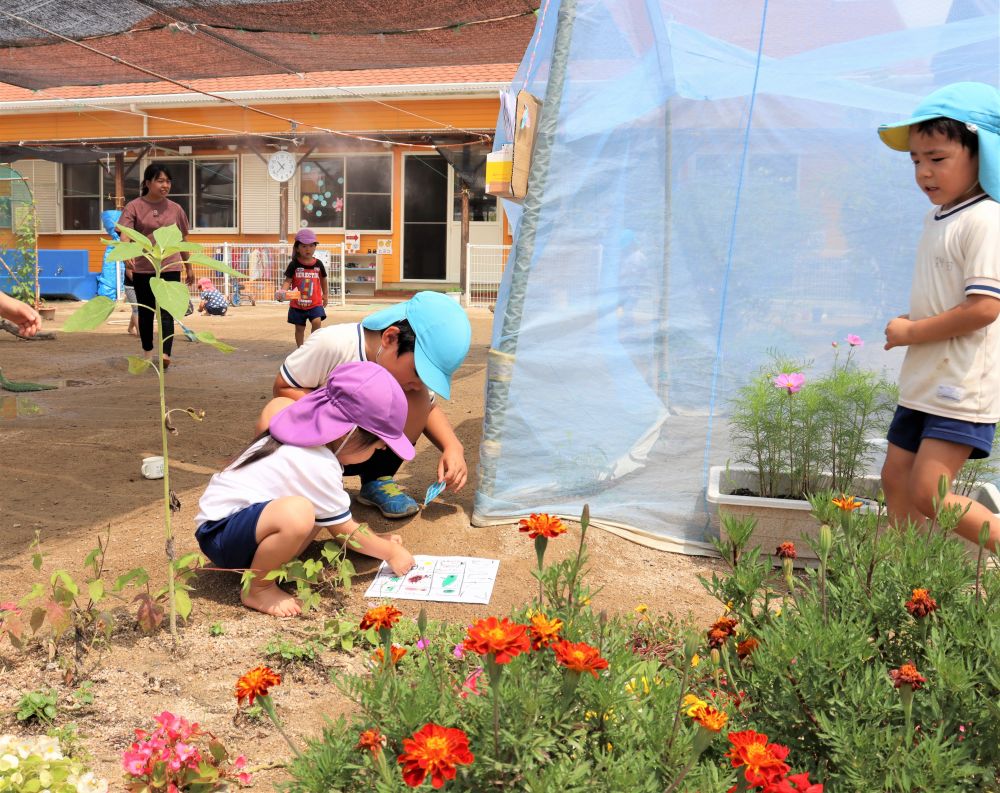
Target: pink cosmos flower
854 340
459 651
790 381
423 644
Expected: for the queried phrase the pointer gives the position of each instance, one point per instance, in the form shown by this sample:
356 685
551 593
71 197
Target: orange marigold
721 630
579 657
502 639
256 683
907 675
434 751
380 617
544 631
847 503
541 524
786 551
396 652
921 604
761 761
747 646
710 717
372 740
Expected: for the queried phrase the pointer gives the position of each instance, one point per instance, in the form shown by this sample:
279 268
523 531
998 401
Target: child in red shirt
306 275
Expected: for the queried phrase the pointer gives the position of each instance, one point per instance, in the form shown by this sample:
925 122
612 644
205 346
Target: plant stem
268 706
167 527
677 710
494 670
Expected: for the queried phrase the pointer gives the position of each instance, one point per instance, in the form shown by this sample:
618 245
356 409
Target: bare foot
133 332
272 600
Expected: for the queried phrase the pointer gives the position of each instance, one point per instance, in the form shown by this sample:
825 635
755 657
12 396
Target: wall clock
281 166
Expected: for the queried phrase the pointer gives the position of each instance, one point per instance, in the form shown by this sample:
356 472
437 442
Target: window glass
369 192
216 194
180 183
82 196
369 174
322 192
369 212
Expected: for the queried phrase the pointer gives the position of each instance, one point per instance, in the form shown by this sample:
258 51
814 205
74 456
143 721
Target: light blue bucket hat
975 104
443 335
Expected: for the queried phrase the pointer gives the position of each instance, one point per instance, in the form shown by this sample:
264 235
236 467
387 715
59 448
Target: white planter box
787 519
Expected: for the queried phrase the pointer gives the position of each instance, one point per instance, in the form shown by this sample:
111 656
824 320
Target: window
352 192
206 190
87 190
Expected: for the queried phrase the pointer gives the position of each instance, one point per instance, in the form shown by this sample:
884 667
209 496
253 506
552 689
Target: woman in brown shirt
150 211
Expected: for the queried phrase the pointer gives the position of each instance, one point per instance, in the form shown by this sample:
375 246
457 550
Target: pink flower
423 644
790 381
459 651
854 340
469 686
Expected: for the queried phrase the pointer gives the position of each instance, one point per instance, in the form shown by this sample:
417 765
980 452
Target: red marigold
541 524
579 657
372 740
544 631
786 551
256 683
762 762
380 617
747 646
921 604
502 639
847 503
434 750
721 630
396 652
907 675
793 783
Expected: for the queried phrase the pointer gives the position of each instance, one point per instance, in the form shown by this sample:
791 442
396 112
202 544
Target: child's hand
898 332
400 560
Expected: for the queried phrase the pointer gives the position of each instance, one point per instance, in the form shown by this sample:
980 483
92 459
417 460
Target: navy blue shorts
909 427
299 316
231 542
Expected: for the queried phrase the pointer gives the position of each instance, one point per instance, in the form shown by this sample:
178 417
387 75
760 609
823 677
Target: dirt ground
70 469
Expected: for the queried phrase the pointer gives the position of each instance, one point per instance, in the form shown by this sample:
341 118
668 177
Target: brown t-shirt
147 216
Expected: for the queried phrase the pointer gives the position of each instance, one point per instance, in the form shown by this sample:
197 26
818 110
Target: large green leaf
132 234
215 264
90 315
183 602
120 251
209 338
168 235
137 364
172 296
189 247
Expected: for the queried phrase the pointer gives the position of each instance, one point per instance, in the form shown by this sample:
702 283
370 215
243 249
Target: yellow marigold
695 660
847 503
642 608
691 704
543 631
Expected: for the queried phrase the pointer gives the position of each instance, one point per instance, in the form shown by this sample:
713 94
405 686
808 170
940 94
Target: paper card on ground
433 492
446 579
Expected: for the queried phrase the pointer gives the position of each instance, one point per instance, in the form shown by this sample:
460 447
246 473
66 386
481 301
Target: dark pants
144 296
383 463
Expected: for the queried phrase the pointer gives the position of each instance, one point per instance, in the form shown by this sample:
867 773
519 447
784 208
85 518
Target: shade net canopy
707 185
95 42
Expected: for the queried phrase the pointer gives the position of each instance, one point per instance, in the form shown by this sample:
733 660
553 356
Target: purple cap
306 236
358 394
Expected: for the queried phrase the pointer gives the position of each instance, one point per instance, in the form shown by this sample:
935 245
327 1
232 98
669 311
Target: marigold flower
544 631
786 551
692 703
711 718
434 751
380 617
256 683
907 675
721 630
921 604
395 652
745 647
579 657
790 381
372 740
847 503
642 608
541 524
793 783
502 639
762 762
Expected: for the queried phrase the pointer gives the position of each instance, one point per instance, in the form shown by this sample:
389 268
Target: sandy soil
70 470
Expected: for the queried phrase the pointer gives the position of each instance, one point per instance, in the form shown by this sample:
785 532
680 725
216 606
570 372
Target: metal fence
486 263
264 265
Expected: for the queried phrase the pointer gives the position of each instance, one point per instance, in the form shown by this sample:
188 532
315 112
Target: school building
393 155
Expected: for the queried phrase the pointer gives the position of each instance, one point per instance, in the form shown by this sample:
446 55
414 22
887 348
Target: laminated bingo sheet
448 579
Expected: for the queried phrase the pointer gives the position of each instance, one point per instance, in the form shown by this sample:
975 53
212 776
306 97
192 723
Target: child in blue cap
949 384
421 342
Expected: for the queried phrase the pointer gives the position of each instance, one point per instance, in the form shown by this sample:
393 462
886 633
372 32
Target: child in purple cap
306 276
271 502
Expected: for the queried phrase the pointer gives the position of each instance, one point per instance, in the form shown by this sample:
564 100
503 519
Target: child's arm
452 467
973 313
363 540
326 291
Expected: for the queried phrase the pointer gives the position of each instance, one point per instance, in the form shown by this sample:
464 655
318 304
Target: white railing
486 264
264 265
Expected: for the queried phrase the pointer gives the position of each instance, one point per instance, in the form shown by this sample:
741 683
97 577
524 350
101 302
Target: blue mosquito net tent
707 184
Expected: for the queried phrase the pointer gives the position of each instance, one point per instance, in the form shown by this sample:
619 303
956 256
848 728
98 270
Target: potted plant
795 434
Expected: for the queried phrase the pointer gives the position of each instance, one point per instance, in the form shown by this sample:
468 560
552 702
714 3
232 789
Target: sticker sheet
447 579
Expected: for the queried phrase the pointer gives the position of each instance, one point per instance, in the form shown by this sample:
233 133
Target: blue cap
443 335
975 104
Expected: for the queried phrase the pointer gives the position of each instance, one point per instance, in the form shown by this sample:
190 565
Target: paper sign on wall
352 241
448 579
384 246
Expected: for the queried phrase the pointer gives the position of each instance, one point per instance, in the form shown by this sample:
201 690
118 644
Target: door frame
402 220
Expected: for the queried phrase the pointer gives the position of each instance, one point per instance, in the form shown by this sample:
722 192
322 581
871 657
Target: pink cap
306 236
205 283
357 394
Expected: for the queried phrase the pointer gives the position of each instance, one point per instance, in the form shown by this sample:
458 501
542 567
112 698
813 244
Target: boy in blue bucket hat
949 384
422 342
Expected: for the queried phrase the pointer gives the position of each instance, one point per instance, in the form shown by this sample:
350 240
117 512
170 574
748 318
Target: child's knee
295 515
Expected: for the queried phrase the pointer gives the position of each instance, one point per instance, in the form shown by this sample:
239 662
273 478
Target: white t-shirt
958 256
311 472
326 349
